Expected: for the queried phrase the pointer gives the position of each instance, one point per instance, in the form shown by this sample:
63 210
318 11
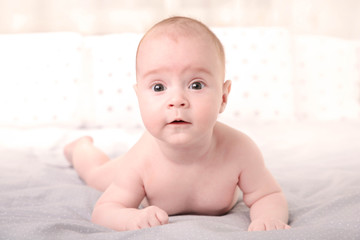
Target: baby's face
179 86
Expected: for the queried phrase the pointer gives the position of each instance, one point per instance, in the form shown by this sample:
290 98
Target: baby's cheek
147 115
208 113
149 119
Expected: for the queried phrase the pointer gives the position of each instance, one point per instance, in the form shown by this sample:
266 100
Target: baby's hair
188 26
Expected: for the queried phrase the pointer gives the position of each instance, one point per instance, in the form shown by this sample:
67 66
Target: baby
186 162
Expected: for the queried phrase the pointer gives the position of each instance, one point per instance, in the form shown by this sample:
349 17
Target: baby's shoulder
227 133
234 140
143 147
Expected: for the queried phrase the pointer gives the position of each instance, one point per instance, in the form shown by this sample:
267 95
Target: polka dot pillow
40 79
327 81
112 73
259 63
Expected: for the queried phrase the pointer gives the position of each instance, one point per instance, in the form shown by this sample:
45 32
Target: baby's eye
158 87
196 85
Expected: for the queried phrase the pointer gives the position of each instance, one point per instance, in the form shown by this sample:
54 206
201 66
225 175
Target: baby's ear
226 91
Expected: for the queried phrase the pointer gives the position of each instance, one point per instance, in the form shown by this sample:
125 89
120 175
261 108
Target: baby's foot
69 148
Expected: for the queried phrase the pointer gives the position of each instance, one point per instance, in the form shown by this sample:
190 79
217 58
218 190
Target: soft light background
71 63
327 17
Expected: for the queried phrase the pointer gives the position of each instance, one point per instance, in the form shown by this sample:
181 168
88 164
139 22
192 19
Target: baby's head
180 69
175 27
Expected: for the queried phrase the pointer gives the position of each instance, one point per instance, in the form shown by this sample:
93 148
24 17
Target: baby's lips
179 121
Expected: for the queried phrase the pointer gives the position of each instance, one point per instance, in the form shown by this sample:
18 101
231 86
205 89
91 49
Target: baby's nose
178 101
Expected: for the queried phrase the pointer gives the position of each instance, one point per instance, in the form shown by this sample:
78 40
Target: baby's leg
92 165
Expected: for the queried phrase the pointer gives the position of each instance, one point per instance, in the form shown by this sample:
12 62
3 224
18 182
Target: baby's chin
179 140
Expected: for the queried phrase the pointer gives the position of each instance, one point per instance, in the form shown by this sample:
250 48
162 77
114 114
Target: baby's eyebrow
199 70
153 72
186 69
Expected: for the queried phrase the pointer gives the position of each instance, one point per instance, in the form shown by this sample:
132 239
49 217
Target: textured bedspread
317 165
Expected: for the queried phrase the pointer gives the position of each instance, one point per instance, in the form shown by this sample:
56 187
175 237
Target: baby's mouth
179 122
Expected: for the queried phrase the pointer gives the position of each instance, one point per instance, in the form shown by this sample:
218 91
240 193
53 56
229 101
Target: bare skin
180 187
186 161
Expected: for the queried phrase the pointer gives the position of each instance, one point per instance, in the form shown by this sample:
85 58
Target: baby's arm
118 209
268 206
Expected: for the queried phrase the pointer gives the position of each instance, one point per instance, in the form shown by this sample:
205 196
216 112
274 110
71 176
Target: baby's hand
267 224
148 217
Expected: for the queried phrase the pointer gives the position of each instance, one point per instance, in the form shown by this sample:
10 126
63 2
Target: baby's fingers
156 216
286 227
162 217
152 221
280 225
267 225
257 226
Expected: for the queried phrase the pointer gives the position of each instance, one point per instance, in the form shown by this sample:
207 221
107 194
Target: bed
43 198
303 115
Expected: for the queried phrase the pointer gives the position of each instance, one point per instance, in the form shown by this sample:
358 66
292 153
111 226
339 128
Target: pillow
40 78
327 78
259 63
112 71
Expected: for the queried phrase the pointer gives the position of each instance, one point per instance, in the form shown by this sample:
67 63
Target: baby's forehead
181 31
